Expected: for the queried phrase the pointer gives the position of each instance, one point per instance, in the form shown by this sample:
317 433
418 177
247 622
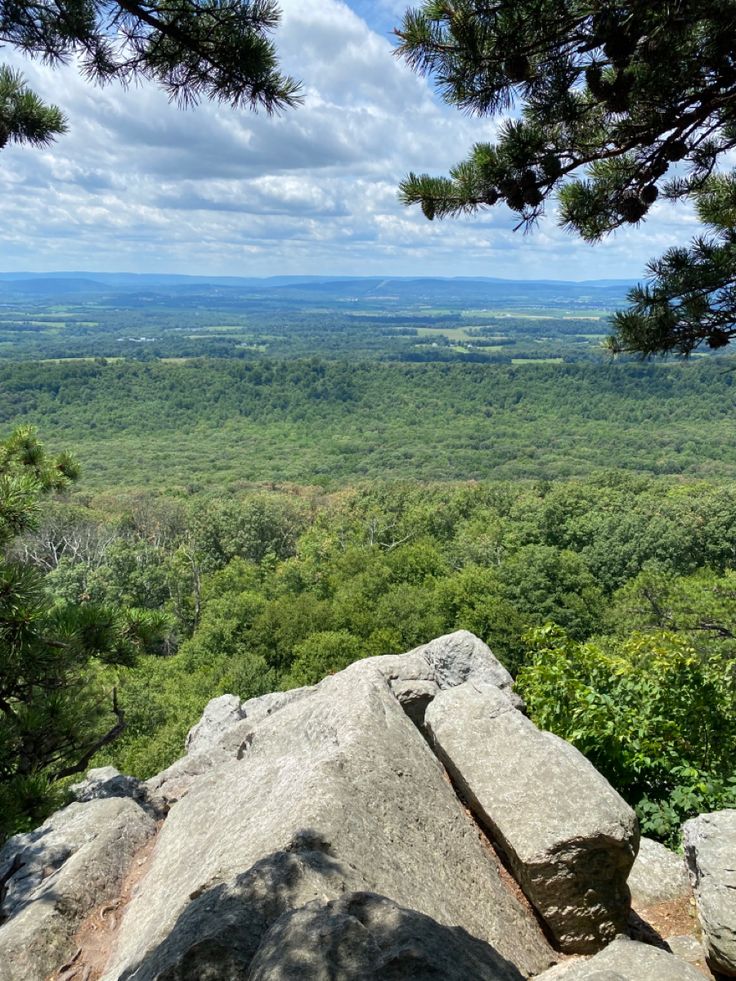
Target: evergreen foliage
193 49
691 297
618 104
56 710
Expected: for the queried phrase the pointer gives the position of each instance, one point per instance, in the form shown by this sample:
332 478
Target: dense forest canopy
610 599
221 422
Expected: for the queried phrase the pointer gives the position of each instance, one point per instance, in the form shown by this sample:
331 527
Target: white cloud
142 186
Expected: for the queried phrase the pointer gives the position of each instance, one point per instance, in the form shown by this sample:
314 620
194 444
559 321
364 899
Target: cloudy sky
138 185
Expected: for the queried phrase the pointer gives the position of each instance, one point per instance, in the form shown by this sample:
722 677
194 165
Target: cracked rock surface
324 833
568 836
710 852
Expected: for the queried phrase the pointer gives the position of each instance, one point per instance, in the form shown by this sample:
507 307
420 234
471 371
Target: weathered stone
262 706
657 875
461 656
227 724
57 874
569 837
334 793
175 781
104 782
690 949
710 852
625 960
219 715
362 936
414 697
222 713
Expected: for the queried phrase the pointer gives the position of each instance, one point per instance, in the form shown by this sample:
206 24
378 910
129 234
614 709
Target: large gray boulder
334 793
362 936
218 716
569 837
56 875
222 713
710 852
689 948
415 678
461 656
657 876
625 960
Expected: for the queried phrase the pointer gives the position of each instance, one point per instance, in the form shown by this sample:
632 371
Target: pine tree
616 105
56 708
193 49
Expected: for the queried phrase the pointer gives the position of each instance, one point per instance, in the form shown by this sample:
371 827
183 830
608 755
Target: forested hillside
611 600
215 423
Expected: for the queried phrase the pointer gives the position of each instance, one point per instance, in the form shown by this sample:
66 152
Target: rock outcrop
334 793
710 852
625 960
569 837
657 876
54 876
361 936
316 834
222 713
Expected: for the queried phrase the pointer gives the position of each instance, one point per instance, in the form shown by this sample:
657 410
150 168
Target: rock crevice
315 834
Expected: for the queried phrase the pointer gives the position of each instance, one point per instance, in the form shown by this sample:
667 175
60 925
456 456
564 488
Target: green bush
657 718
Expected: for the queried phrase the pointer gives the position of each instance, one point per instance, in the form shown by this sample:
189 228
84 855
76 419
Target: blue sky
140 186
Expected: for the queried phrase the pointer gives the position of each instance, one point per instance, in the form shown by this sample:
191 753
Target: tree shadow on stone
292 916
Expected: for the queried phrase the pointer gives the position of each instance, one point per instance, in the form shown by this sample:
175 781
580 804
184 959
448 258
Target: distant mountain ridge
173 279
423 292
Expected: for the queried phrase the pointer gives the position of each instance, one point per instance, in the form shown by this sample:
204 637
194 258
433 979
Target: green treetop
56 708
614 105
193 49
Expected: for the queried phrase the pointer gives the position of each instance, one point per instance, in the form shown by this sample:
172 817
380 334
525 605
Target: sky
138 185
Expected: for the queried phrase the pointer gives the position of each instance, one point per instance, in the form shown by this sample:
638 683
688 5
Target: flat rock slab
334 793
362 935
568 836
57 874
710 852
657 876
625 960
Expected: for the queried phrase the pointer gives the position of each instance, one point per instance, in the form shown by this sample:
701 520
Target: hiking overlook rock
402 819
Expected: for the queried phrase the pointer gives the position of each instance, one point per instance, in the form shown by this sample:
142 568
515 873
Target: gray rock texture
334 793
657 875
569 837
57 874
690 949
222 713
710 852
175 781
361 936
414 678
625 960
219 715
461 656
414 697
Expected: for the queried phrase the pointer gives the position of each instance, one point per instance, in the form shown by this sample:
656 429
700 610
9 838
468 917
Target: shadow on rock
276 922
